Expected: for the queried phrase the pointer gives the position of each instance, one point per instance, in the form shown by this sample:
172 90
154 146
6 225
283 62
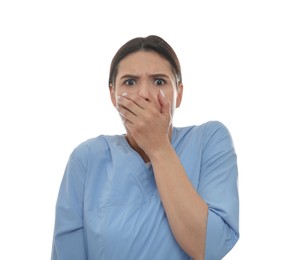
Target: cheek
171 96
121 90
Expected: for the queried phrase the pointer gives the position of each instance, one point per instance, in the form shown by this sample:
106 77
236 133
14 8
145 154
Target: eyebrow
157 75
129 76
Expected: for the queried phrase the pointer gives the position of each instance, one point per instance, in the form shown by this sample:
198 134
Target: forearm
185 209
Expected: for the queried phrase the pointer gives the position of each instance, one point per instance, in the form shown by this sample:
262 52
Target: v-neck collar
136 154
142 172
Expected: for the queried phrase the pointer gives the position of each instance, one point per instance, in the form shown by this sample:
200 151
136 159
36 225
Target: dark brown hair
149 43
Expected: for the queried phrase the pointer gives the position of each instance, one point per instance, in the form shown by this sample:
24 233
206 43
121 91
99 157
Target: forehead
144 61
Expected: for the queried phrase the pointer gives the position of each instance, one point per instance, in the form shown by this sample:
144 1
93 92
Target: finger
128 124
126 114
130 105
165 104
137 99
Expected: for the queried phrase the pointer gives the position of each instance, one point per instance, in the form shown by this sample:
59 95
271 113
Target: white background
54 64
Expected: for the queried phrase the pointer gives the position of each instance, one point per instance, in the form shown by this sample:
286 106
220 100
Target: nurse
158 191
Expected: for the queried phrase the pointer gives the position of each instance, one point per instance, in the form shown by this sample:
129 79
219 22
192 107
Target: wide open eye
160 82
130 82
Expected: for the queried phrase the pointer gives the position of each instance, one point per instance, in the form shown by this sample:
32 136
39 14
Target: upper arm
68 239
218 186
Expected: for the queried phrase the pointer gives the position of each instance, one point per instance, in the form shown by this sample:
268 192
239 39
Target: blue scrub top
109 207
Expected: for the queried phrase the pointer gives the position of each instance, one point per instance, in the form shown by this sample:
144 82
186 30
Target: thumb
165 104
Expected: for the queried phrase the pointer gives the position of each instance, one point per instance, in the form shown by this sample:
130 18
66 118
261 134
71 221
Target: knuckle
129 104
124 113
139 125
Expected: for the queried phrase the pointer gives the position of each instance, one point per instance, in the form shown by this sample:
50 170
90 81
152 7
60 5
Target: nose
144 91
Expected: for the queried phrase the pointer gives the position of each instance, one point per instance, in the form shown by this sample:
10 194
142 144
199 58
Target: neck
136 147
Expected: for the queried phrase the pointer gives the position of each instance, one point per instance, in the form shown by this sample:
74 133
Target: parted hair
149 43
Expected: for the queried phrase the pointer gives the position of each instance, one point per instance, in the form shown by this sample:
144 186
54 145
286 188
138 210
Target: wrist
161 152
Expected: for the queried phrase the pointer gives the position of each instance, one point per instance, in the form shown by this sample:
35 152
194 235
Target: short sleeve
68 239
218 186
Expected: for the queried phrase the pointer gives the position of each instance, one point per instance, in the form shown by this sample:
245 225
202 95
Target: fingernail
124 94
162 93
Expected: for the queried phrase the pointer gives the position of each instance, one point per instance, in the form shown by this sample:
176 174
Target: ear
179 95
112 95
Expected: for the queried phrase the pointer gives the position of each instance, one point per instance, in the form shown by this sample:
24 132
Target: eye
130 82
160 82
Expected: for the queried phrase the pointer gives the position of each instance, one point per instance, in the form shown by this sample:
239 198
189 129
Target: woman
158 192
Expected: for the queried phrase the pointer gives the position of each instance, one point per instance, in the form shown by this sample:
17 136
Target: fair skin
146 95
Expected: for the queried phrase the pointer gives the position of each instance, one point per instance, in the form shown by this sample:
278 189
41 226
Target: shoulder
212 128
92 149
217 131
88 146
206 135
217 140
201 136
204 131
